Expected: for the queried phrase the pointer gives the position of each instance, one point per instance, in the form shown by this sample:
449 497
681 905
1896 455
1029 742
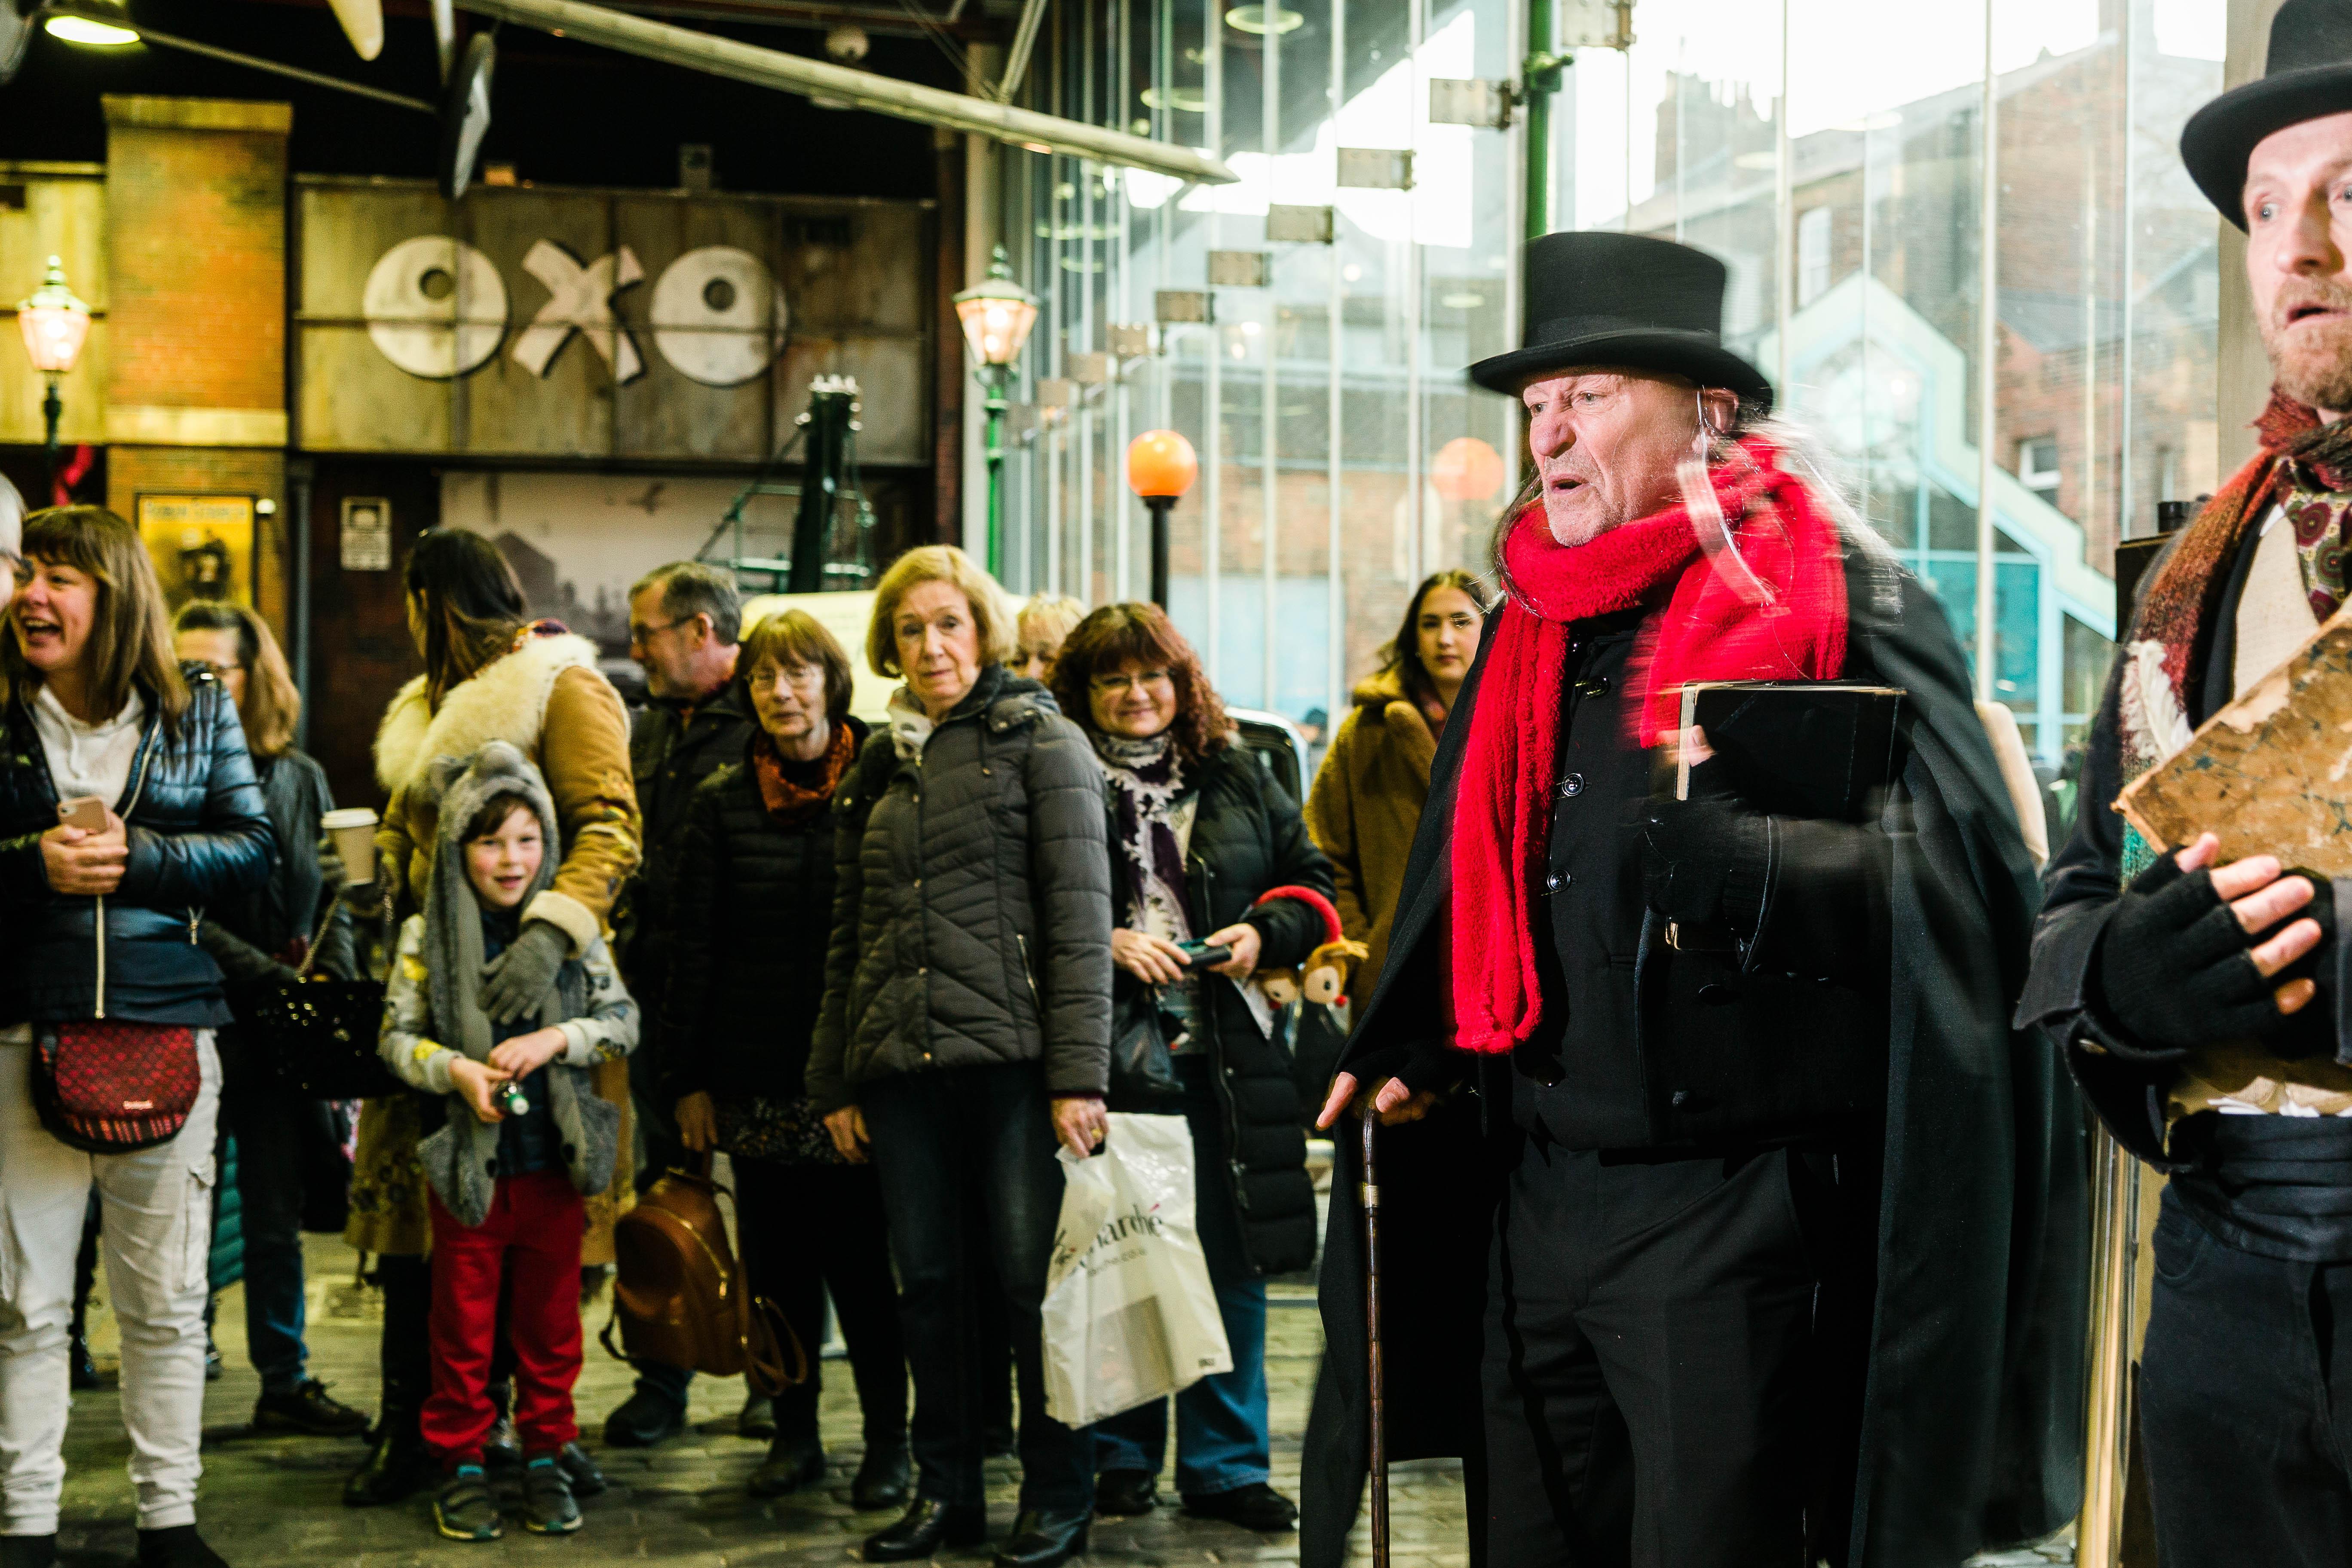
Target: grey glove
518 980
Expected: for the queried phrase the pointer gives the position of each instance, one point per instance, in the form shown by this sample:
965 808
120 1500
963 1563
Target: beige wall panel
665 413
351 400
64 215
567 411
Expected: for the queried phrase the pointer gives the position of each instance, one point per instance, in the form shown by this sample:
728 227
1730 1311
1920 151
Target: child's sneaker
548 1508
464 1510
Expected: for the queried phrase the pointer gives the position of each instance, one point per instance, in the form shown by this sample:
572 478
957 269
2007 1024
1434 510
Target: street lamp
997 314
54 324
1161 468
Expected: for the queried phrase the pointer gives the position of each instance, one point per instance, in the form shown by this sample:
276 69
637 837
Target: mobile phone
1201 955
87 812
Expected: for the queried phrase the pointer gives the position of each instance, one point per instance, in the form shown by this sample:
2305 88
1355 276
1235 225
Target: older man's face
2299 203
1606 443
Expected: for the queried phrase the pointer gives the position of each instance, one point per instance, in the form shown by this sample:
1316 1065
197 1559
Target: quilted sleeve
1070 888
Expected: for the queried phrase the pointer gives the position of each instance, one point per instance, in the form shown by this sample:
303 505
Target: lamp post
996 314
54 324
1161 466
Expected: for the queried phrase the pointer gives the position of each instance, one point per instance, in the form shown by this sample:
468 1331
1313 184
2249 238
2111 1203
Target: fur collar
505 701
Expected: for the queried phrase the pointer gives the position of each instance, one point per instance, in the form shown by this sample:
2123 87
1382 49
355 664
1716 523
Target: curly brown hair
1120 634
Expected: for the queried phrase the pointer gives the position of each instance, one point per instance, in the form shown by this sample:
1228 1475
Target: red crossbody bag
106 1085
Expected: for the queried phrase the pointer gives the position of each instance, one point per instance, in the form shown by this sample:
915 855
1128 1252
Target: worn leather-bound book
2272 772
1802 748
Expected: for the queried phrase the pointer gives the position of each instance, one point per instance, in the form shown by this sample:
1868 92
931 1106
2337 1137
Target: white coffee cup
353 829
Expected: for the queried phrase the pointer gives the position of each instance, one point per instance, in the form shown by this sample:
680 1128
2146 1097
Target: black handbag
322 1035
1142 1069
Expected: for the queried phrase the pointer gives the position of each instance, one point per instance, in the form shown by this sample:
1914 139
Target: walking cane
1373 1336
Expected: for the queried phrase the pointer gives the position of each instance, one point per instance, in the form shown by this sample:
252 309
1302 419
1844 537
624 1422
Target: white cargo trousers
157 1242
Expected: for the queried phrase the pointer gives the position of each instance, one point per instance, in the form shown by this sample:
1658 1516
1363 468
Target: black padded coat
971 913
199 834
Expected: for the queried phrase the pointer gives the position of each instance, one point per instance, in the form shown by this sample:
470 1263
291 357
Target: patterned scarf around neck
1147 779
788 803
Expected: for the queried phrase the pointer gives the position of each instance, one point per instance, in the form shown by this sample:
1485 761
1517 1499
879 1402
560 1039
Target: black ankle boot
27 1551
1043 1539
395 1467
177 1547
793 1462
928 1525
882 1476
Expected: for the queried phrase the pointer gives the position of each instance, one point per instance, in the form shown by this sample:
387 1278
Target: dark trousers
939 1137
527 1247
808 1230
268 1123
1649 1376
2245 1410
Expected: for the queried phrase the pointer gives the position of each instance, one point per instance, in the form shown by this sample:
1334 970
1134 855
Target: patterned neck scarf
2318 502
790 803
1147 778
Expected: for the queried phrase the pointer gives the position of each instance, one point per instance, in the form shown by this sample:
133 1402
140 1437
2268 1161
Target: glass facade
1833 152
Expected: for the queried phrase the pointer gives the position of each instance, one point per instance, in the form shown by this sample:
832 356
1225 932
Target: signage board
202 545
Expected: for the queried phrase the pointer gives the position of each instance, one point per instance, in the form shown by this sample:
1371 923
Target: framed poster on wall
204 546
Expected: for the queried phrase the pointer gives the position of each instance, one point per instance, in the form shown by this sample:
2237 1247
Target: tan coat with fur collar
1363 810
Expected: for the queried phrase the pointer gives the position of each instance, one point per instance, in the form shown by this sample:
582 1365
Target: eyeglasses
794 675
640 633
1142 680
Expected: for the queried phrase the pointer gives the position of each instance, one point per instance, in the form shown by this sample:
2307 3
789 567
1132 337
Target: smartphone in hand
87 812
1201 955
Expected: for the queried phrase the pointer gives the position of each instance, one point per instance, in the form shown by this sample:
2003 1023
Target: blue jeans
266 1122
1222 1441
939 1137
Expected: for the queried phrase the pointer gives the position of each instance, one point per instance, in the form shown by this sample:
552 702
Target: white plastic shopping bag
1130 1316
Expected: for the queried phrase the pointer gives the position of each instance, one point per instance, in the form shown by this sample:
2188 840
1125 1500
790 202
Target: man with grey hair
686 621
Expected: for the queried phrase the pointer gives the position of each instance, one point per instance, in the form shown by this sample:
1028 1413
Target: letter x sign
580 299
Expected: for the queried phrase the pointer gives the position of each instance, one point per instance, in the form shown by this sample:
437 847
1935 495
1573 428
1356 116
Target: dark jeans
2245 1410
268 1122
808 1230
1649 1381
939 1136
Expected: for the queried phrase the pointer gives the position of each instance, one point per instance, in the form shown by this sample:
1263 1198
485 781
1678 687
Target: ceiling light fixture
1253 19
90 30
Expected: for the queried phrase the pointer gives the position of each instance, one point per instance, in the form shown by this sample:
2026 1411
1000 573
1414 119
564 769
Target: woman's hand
1396 1104
847 1126
526 1054
1154 958
1080 1125
1245 942
86 865
474 1083
698 1123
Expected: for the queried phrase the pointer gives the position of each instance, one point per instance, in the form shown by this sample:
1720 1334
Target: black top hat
1597 299
2307 74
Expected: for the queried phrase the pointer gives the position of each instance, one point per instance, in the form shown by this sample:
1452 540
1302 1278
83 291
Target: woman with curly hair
1199 832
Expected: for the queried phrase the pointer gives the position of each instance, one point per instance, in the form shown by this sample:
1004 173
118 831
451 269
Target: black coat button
1571 785
1555 881
1681 1095
1715 996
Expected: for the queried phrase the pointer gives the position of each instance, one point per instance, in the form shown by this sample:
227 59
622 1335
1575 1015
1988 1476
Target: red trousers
531 1242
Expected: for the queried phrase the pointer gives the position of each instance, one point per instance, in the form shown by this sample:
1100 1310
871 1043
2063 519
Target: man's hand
1703 858
516 982
1245 942
86 865
697 1122
1152 959
2185 960
847 1126
526 1054
1080 1125
1395 1103
474 1083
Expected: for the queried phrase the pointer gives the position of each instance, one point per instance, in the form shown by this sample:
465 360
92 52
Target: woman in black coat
102 962
1199 832
753 914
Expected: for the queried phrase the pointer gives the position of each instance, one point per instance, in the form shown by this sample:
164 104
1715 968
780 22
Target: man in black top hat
1715 1183
2202 1006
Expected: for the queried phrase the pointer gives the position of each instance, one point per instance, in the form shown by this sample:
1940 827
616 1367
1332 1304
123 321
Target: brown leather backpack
681 1300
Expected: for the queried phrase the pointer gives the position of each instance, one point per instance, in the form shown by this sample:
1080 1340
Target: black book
1799 748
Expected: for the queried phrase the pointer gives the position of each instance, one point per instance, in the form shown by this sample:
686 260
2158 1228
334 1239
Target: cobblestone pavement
273 1501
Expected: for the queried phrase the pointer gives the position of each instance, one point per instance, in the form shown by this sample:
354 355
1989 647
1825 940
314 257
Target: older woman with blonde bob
966 1023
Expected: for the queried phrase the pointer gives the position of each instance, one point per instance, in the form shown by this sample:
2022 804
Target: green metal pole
993 378
53 408
1541 79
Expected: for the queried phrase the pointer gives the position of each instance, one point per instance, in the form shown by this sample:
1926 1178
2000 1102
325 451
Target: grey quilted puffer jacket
971 904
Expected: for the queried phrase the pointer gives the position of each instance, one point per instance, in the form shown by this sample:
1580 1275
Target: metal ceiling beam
834 84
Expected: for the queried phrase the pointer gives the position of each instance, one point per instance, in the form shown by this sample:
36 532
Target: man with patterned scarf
1726 1219
2200 1003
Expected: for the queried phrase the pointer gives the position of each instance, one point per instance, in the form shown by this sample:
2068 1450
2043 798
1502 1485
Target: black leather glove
2175 968
518 980
1706 860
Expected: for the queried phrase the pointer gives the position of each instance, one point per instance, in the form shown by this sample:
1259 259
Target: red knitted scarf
1710 628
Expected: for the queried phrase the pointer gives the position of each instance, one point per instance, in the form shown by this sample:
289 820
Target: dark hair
272 704
130 639
492 814
795 637
1141 634
472 605
691 588
1401 653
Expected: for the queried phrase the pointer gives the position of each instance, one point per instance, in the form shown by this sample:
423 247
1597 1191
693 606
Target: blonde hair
130 635
1059 611
272 705
992 611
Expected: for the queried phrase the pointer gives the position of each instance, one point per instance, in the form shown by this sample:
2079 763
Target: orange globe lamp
1466 468
1161 466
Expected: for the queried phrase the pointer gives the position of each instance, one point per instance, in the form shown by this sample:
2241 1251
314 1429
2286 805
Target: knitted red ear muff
1311 897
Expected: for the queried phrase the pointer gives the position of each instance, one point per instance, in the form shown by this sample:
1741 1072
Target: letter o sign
434 306
718 316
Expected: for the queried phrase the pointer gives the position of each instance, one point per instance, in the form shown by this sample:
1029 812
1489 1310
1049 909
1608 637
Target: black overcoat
1971 1412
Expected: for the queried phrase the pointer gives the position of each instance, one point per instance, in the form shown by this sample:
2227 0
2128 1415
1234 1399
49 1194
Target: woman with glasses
751 913
1199 830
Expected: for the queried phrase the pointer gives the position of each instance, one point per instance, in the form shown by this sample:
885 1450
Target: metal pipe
2106 1432
710 53
251 62
1270 387
1375 1371
1335 617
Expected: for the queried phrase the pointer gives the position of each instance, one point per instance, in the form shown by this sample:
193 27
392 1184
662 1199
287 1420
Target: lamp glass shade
54 323
1160 463
994 326
1466 468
